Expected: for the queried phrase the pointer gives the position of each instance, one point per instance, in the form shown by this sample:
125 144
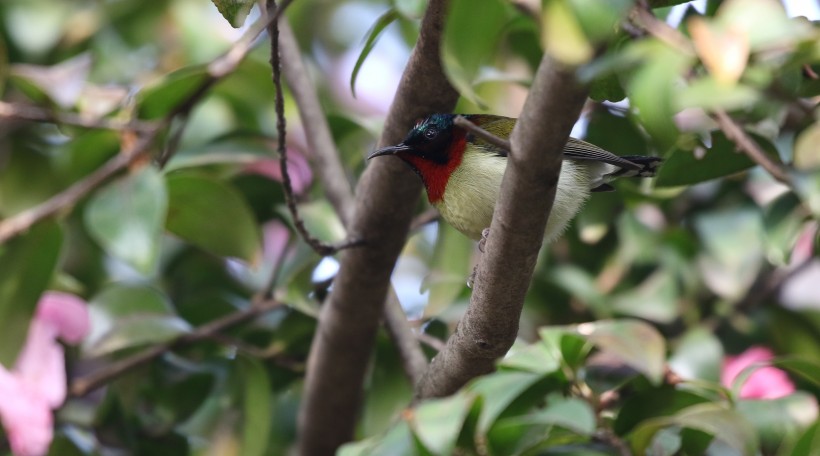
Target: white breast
468 204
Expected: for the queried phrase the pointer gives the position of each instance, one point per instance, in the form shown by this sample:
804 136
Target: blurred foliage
712 257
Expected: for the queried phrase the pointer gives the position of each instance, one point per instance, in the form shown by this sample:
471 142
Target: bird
462 172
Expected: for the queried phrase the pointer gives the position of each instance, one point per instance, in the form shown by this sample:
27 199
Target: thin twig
317 245
433 342
462 122
88 383
18 111
430 215
642 14
395 320
735 133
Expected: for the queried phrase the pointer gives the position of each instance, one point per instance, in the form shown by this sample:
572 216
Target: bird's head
433 149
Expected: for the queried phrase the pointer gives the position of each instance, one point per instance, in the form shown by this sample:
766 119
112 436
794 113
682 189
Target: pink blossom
766 382
37 384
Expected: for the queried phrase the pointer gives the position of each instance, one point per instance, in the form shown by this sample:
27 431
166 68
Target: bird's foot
485 233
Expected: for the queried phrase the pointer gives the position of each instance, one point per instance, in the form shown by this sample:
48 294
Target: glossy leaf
234 11
470 38
636 343
806 152
213 216
157 101
713 419
127 216
782 222
686 167
778 421
256 392
438 422
498 391
372 37
26 266
562 36
124 316
651 92
807 186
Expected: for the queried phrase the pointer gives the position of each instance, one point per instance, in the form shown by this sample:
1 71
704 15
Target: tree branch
334 179
735 133
462 122
490 325
337 187
18 111
386 195
90 382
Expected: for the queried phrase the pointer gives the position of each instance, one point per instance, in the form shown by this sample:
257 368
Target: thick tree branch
490 325
337 187
385 197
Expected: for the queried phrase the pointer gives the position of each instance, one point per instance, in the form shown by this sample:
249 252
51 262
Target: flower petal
67 313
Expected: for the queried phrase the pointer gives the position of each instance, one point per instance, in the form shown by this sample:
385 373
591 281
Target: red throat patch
436 175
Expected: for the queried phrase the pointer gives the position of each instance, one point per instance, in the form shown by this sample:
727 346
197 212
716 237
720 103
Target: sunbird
462 172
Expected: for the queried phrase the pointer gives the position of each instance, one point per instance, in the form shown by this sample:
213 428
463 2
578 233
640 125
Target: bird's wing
580 150
574 150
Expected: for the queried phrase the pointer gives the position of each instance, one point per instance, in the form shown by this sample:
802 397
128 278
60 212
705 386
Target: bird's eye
430 133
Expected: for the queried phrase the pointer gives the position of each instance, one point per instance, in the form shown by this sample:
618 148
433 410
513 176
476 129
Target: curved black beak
390 150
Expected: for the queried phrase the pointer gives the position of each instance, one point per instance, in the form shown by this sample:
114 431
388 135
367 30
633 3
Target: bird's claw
485 233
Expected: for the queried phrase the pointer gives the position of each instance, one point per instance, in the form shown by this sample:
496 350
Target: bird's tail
648 166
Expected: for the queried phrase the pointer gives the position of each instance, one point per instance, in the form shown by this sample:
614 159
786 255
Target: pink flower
37 384
765 382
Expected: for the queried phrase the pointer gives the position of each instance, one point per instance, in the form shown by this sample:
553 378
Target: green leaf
538 429
778 421
127 216
470 38
213 216
158 100
713 419
708 93
562 36
807 185
652 92
655 299
370 42
686 167
600 19
125 316
699 354
646 405
733 252
806 152
256 395
808 443
26 266
234 11
438 422
782 222
397 442
634 342
536 358
498 392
